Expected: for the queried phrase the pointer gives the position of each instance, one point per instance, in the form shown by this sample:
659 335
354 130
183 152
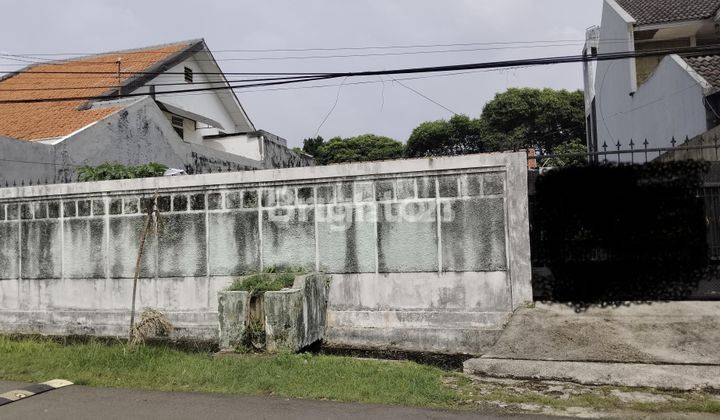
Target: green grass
260 283
300 376
287 375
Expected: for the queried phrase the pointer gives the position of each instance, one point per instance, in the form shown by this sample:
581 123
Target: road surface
79 402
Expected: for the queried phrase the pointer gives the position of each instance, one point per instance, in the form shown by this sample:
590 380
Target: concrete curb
661 376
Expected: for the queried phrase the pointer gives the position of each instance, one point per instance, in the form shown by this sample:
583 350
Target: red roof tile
36 121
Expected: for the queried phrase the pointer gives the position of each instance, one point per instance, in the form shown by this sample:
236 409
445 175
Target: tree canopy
458 136
367 147
312 145
520 118
541 118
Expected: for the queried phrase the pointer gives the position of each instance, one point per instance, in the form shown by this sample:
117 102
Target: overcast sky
387 108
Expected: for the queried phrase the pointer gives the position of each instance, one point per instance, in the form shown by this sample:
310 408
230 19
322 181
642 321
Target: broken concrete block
232 315
295 318
292 318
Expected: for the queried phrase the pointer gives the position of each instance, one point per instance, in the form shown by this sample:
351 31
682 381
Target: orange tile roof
44 120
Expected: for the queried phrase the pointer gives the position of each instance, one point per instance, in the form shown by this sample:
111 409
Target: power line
713 49
132 95
154 84
313 57
425 97
460 73
709 49
240 81
364 82
151 73
364 47
337 99
354 55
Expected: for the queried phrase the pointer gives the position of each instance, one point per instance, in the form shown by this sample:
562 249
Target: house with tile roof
124 113
657 99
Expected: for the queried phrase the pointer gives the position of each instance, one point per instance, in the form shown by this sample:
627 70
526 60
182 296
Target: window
178 125
188 74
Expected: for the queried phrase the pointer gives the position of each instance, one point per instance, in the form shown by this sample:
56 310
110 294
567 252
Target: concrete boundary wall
427 254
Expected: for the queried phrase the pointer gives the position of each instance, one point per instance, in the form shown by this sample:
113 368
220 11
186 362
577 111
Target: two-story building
129 107
657 99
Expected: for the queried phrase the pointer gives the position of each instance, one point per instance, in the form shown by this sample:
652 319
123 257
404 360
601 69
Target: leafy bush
363 148
257 284
111 171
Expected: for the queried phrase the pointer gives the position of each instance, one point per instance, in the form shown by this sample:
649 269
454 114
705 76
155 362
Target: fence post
604 146
673 142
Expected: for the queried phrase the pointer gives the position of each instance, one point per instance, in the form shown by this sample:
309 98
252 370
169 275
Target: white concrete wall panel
427 254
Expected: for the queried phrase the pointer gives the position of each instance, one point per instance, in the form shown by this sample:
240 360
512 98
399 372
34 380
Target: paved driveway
78 402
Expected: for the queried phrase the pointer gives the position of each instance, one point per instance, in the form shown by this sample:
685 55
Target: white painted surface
241 144
70 288
217 105
669 104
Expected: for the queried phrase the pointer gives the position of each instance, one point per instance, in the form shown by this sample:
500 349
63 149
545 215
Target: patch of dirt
642 397
573 400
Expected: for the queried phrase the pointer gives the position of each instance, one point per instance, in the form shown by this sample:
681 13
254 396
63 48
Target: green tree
459 136
542 118
570 153
367 147
311 146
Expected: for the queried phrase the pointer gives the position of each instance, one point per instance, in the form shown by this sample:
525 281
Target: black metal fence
633 153
627 224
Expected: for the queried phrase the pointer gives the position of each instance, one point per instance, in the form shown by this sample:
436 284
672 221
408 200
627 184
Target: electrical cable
352 48
712 49
315 57
425 96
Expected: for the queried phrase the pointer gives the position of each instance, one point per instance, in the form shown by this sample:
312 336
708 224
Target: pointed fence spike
645 143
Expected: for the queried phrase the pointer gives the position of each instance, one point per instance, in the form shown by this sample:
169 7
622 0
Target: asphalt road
79 402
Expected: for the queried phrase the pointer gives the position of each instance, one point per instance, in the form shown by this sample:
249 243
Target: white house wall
241 144
207 103
669 104
140 134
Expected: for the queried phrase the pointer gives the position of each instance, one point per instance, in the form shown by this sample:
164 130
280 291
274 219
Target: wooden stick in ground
143 237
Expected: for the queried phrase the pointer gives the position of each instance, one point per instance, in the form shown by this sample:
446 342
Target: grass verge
157 367
287 375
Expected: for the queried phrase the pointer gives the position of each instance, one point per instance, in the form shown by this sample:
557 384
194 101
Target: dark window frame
178 124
